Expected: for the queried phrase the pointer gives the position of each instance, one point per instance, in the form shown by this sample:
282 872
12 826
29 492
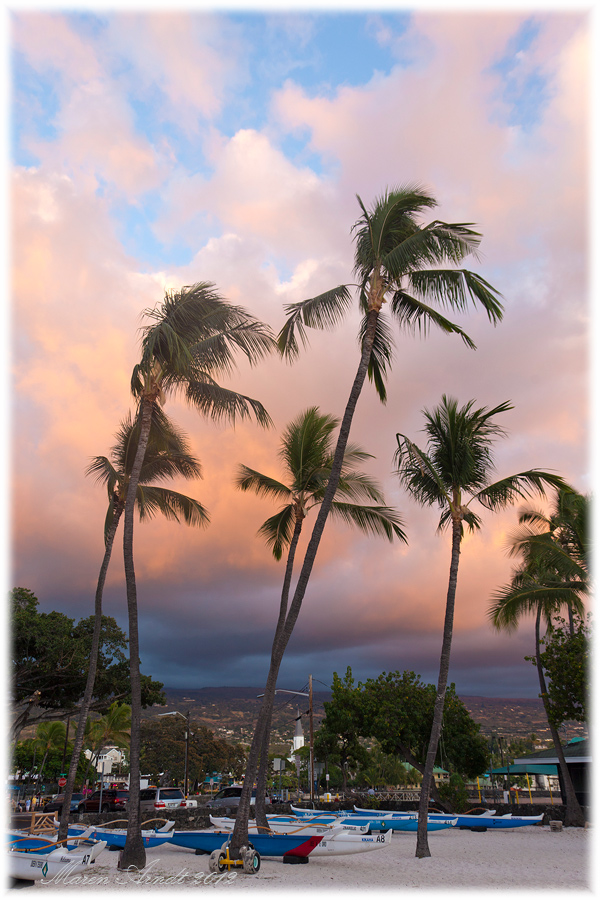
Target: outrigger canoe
50 862
116 837
337 840
286 845
384 822
486 819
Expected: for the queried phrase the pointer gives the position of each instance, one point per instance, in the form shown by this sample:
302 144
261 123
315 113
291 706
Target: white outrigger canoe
51 862
336 839
375 820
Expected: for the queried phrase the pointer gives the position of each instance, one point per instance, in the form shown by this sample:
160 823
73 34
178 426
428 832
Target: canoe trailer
249 860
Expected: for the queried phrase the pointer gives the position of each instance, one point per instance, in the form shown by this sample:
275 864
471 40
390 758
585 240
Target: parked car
113 800
56 803
230 796
161 799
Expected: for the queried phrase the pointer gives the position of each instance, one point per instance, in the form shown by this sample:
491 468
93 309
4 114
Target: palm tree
394 260
307 454
168 455
553 573
192 337
454 471
110 730
49 736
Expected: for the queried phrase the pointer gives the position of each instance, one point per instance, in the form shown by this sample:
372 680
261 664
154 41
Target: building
578 757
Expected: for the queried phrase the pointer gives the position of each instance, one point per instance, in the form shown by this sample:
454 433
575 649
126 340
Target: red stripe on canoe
307 847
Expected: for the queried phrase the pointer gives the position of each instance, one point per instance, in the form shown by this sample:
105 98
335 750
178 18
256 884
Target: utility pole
187 750
312 755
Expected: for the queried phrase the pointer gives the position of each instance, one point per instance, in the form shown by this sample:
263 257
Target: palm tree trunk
91 677
134 853
574 814
260 741
240 831
438 709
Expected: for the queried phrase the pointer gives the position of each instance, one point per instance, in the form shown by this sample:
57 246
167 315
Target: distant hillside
231 712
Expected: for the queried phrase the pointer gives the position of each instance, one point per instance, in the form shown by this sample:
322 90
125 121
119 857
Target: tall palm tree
454 471
307 454
192 337
397 259
553 573
167 456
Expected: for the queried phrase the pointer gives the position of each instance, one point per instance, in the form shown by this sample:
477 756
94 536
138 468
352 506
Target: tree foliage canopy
566 661
50 653
397 709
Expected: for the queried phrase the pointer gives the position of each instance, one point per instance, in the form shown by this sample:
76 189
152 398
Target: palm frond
250 480
104 473
412 315
278 531
382 521
172 505
523 484
454 288
218 403
323 312
381 354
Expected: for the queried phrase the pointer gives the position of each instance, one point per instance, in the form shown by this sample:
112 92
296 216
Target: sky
151 150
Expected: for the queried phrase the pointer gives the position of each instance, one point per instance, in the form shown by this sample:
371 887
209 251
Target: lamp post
310 714
187 742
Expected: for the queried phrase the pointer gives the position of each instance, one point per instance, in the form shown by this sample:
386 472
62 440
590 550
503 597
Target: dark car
56 804
161 799
112 801
230 796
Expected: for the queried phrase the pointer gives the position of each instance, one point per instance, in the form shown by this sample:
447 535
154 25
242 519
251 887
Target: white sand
514 861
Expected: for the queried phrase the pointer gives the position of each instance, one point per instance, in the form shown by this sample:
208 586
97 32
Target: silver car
230 796
161 799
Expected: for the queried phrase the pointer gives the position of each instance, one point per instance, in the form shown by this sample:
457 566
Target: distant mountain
231 712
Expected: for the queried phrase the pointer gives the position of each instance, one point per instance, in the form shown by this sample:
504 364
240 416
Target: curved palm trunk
259 748
91 677
134 853
573 812
438 709
240 832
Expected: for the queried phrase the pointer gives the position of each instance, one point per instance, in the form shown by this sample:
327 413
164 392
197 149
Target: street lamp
310 713
187 742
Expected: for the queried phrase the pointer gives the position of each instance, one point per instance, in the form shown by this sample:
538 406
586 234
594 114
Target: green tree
50 654
191 339
307 456
566 662
338 738
167 456
454 471
553 573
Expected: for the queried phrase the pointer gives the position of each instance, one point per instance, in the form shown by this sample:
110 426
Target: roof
576 751
525 769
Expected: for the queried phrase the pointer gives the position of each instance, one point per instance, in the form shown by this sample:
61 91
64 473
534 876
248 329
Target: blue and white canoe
282 824
486 819
383 822
116 837
42 843
50 861
264 844
337 840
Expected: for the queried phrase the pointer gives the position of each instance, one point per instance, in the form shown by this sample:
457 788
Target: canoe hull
31 866
264 844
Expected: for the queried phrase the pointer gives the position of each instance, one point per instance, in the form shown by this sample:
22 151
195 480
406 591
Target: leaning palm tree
307 454
167 456
553 573
454 471
416 268
192 337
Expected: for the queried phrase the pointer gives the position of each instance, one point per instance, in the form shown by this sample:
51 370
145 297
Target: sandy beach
513 861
